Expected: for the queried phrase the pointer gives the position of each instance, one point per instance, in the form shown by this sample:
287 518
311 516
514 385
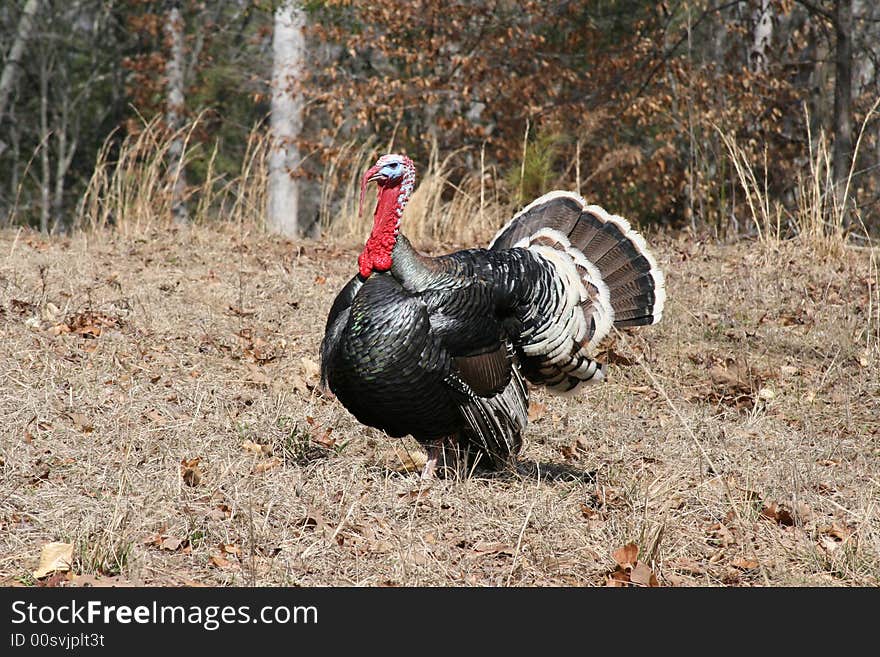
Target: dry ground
160 412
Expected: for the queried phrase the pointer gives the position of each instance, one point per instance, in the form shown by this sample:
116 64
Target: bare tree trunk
66 144
762 35
174 110
843 144
13 62
288 47
45 182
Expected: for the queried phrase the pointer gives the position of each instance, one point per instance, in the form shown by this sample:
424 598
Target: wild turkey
439 348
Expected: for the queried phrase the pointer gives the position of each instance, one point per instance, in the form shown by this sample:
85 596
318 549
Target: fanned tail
604 275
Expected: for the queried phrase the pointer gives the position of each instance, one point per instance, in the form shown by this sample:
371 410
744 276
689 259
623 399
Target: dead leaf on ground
720 536
418 495
313 519
219 561
627 555
688 566
492 547
643 575
778 513
268 464
155 416
731 382
91 324
56 579
81 422
54 556
837 531
536 411
169 543
219 512
98 581
745 563
309 369
256 376
190 471
399 459
256 448
629 571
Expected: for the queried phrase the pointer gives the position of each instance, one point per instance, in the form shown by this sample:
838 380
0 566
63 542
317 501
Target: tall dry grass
824 217
131 188
824 214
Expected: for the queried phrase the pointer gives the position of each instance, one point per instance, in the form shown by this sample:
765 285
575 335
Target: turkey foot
435 451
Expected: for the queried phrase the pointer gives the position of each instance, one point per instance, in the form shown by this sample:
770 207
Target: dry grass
160 411
131 188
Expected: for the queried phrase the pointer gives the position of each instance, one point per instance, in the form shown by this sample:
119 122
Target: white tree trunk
174 111
762 35
45 135
13 62
288 47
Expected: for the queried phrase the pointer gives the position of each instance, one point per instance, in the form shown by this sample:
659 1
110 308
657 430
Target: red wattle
376 255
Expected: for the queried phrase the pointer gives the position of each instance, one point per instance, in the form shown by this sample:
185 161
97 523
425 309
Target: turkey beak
371 175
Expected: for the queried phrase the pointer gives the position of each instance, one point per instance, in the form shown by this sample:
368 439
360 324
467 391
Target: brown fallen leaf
744 563
219 512
219 561
627 555
299 384
155 416
492 547
536 411
98 581
309 369
256 448
256 376
268 464
190 471
399 459
56 579
54 556
172 544
80 422
313 519
618 578
778 513
643 575
837 531
415 495
230 548
720 536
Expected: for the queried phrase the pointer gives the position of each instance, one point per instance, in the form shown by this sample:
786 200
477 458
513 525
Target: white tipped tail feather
604 276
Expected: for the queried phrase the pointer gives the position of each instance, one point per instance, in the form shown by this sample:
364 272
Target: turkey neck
414 271
378 251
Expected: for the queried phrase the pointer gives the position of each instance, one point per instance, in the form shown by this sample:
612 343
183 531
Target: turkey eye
394 165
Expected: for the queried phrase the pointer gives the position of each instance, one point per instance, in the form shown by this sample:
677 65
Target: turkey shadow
538 471
553 471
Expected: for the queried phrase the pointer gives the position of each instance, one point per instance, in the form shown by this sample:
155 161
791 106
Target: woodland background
728 117
165 166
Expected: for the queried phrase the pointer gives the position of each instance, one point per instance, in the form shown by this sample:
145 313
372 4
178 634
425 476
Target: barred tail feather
605 276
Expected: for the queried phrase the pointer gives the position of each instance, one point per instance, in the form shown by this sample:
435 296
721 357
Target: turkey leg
435 451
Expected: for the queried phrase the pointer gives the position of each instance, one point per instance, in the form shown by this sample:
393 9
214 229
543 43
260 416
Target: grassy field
161 412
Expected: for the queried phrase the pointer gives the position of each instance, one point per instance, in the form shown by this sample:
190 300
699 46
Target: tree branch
816 10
